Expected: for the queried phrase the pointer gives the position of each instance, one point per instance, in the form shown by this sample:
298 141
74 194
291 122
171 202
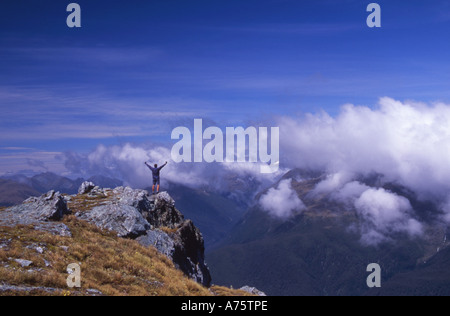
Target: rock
54 228
252 290
42 212
163 212
49 207
123 219
160 240
23 263
26 289
86 187
184 246
189 253
94 292
151 220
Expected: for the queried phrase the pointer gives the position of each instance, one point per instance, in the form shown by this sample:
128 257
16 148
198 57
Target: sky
137 69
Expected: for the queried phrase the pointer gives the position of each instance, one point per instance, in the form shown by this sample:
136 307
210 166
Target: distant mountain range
315 249
318 251
212 212
17 188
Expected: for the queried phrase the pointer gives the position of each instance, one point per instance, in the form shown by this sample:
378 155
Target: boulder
252 290
123 219
162 212
42 212
49 207
160 240
86 187
151 220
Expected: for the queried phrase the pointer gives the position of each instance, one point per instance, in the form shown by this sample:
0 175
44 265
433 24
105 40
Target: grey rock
160 240
162 212
49 207
152 220
94 292
9 287
252 290
42 212
189 253
123 219
23 263
184 246
86 187
54 228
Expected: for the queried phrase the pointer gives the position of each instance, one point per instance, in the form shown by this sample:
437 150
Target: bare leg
157 188
153 189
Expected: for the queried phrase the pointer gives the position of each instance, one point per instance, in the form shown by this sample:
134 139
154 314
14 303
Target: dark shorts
156 181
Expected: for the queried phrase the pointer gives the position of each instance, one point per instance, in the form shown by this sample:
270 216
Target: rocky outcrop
152 220
42 212
252 290
86 187
49 207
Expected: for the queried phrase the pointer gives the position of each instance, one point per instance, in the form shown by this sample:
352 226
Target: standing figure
156 179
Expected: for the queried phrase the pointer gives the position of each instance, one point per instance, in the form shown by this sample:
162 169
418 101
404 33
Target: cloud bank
404 143
282 202
385 214
407 143
126 162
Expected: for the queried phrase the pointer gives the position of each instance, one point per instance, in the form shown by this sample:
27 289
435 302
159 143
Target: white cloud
406 142
383 214
349 192
126 162
283 201
332 183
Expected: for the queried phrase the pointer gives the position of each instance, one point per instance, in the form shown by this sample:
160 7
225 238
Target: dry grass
110 264
83 203
169 231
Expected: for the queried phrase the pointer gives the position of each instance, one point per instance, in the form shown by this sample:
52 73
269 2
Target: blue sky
136 69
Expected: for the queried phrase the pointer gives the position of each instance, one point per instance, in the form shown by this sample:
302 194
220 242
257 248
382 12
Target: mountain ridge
319 250
98 223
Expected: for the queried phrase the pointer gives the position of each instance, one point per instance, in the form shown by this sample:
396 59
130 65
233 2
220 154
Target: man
156 180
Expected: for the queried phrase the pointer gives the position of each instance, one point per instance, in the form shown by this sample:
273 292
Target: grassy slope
112 265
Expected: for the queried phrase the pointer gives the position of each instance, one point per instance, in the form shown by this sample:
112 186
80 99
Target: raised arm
163 166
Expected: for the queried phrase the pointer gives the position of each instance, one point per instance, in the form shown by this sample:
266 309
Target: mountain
45 182
214 214
318 250
15 189
105 182
12 192
125 242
